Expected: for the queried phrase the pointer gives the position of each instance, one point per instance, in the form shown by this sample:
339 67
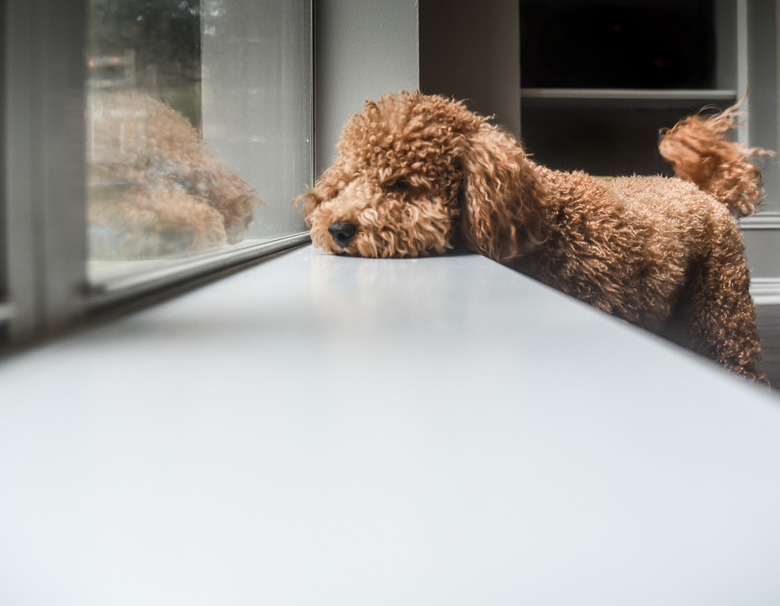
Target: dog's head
411 169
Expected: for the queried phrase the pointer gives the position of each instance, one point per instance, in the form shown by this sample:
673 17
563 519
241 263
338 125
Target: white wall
761 74
364 49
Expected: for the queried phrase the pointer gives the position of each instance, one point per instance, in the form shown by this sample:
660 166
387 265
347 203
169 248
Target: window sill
110 280
350 317
374 426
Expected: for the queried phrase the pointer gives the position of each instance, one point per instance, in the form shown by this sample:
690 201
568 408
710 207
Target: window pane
199 126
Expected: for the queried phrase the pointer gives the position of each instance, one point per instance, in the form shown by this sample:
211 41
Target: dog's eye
400 184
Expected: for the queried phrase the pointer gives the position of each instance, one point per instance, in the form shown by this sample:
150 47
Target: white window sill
338 431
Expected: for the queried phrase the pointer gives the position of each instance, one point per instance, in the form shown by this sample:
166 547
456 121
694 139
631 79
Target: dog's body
655 252
658 252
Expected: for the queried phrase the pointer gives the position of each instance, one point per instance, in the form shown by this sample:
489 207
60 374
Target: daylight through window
199 128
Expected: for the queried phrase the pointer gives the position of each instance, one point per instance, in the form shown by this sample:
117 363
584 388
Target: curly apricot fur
698 149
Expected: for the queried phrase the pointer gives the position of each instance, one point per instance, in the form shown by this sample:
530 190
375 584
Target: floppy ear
501 213
326 188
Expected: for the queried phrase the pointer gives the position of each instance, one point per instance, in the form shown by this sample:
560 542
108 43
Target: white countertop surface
323 430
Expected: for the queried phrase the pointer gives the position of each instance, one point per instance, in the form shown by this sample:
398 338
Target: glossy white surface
322 430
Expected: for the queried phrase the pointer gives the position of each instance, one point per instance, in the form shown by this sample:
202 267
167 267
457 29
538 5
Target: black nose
342 232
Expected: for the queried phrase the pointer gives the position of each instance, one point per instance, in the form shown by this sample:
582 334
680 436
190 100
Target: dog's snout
342 232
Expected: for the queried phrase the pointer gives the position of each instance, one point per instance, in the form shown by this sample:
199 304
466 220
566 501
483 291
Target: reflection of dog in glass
414 172
154 188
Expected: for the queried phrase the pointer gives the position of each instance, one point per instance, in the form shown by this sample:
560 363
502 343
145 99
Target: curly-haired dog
414 171
153 187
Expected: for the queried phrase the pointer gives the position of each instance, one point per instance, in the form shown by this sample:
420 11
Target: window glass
199 126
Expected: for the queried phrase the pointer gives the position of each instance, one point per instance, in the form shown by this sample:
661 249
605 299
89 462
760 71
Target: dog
415 174
154 189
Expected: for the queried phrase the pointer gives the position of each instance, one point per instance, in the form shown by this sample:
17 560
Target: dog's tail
699 150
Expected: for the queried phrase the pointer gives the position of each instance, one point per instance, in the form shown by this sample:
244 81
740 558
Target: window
199 122
154 140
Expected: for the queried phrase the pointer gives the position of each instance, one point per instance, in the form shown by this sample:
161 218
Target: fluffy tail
698 149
